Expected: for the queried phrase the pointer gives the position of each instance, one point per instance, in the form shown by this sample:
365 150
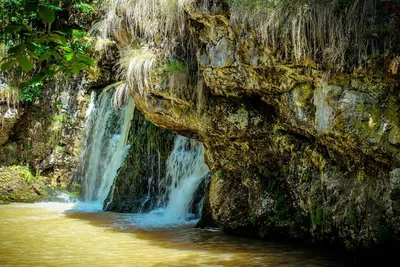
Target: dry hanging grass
148 30
323 30
136 66
154 22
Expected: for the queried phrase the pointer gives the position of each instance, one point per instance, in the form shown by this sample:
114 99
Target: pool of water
56 234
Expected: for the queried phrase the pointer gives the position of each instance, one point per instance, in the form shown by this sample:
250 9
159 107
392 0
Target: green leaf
25 63
69 56
53 67
8 65
38 77
11 28
27 27
55 55
85 59
15 50
50 72
57 38
76 70
60 32
31 46
78 33
45 56
53 7
46 14
32 54
67 49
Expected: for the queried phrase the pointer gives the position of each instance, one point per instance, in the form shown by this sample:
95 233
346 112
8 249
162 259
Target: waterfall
106 146
185 171
175 197
176 194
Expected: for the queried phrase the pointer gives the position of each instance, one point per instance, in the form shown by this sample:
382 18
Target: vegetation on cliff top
152 35
336 34
40 42
340 34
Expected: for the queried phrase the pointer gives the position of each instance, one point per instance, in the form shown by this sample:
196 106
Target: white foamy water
185 172
65 198
90 108
105 151
106 148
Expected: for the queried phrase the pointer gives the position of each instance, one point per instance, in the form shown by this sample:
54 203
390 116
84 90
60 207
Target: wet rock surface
134 187
295 152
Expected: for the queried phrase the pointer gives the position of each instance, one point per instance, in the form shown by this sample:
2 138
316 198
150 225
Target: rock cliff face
295 151
134 187
8 113
46 134
18 184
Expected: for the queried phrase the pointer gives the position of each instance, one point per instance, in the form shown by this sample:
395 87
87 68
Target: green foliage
253 220
30 91
85 8
282 209
38 46
256 5
46 14
351 218
60 118
55 128
74 194
174 66
25 172
221 174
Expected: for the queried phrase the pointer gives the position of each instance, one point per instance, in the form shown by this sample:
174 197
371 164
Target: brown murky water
52 234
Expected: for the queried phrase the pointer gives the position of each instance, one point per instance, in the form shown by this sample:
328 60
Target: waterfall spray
106 147
186 171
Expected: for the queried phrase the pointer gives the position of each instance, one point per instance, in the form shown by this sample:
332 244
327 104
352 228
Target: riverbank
18 184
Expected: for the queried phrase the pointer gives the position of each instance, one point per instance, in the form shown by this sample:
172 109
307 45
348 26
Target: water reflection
56 235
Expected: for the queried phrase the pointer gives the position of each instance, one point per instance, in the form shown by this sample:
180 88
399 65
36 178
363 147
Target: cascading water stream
106 147
175 196
186 170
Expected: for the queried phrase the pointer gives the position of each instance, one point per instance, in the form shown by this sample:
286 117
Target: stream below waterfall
56 234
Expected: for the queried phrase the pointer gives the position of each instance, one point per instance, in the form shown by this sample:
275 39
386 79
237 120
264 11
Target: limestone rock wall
48 133
295 151
8 114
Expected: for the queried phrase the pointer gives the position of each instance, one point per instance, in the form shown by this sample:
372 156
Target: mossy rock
18 184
